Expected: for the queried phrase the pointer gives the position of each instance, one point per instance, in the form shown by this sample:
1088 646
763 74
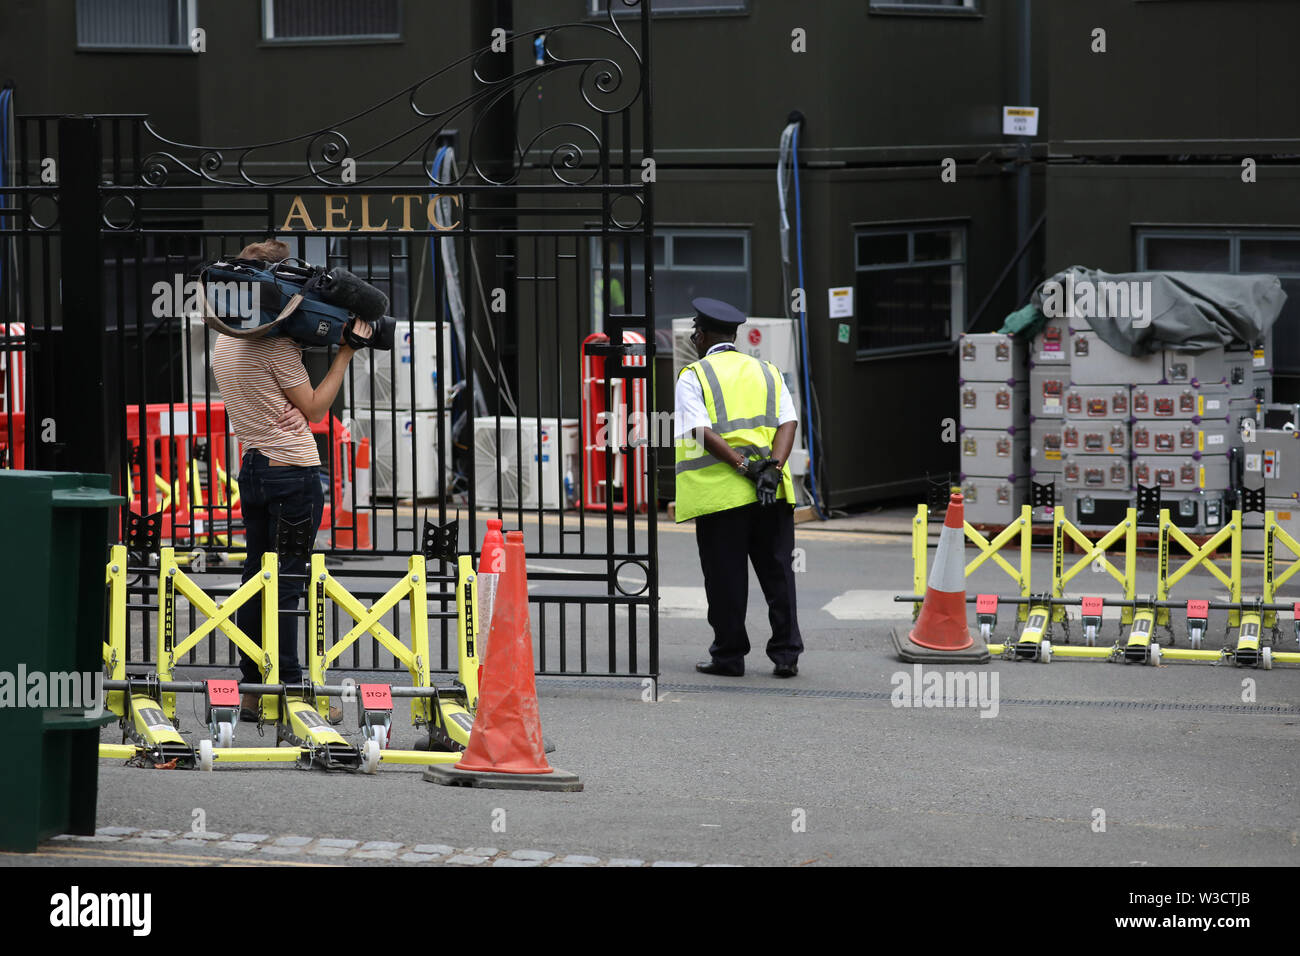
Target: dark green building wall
1179 77
1152 132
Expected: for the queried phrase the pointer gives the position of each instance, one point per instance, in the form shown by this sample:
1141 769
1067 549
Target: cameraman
269 402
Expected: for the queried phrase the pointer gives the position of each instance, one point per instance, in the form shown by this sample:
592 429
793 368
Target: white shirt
688 396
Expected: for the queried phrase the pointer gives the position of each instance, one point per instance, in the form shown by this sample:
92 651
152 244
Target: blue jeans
268 493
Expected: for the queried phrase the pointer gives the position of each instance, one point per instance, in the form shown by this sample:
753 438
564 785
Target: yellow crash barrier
324 587
172 646
1020 530
1139 647
115 646
1199 555
1275 534
454 716
1094 555
147 706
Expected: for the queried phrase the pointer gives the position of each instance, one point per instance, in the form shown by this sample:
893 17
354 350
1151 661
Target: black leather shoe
713 667
785 670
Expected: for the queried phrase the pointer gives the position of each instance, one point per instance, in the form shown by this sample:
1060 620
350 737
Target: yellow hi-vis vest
742 397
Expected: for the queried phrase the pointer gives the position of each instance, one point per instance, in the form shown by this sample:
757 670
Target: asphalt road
1082 762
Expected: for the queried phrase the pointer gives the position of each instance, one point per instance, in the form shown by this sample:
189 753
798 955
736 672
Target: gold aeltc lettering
332 209
297 209
406 199
337 220
365 216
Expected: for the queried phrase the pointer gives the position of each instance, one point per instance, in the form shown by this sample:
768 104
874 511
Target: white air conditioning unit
395 474
536 468
418 350
194 368
774 340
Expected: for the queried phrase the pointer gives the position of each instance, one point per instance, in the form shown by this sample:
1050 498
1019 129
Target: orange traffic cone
940 632
491 562
505 746
353 527
492 557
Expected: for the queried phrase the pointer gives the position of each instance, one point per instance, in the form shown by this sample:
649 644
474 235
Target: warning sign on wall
841 302
1020 121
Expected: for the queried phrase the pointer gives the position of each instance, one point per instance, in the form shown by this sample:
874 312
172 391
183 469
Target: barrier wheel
1266 658
205 755
986 632
370 756
1153 655
1195 638
1045 652
1090 636
225 734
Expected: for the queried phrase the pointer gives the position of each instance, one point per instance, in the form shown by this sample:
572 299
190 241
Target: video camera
314 306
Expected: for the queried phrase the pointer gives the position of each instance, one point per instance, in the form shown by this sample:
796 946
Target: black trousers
267 493
731 540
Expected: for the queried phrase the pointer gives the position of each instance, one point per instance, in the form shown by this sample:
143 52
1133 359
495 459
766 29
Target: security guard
734 431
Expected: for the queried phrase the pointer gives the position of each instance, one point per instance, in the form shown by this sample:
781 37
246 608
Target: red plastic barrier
193 513
13 455
598 422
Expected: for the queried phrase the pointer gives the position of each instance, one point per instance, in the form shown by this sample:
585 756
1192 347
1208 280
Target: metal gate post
85 419
647 239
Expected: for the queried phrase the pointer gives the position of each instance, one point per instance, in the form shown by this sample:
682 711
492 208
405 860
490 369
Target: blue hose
803 328
433 263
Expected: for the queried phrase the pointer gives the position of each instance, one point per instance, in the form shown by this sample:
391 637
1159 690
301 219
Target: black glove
354 338
767 480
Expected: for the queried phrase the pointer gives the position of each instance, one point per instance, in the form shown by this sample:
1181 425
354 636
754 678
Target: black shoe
785 670
713 667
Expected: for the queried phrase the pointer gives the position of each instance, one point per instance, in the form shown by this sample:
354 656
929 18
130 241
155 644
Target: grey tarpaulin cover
1179 311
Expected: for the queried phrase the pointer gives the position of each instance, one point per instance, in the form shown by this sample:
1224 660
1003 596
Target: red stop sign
755 336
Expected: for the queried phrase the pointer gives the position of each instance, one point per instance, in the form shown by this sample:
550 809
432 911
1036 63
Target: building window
910 286
689 263
309 20
700 7
1188 254
925 6
1240 252
135 24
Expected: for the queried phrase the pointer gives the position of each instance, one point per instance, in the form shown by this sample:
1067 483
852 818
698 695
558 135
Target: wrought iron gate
496 236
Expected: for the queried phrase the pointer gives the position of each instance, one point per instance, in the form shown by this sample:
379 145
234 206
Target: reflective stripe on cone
941 625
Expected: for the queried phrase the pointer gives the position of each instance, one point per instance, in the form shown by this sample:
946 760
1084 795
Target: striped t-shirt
253 375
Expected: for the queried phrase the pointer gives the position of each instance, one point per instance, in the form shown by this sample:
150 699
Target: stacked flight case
1096 440
1272 463
994 435
1096 423
1248 371
1250 394
1049 377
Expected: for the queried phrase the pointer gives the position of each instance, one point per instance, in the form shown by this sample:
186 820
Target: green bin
52 583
